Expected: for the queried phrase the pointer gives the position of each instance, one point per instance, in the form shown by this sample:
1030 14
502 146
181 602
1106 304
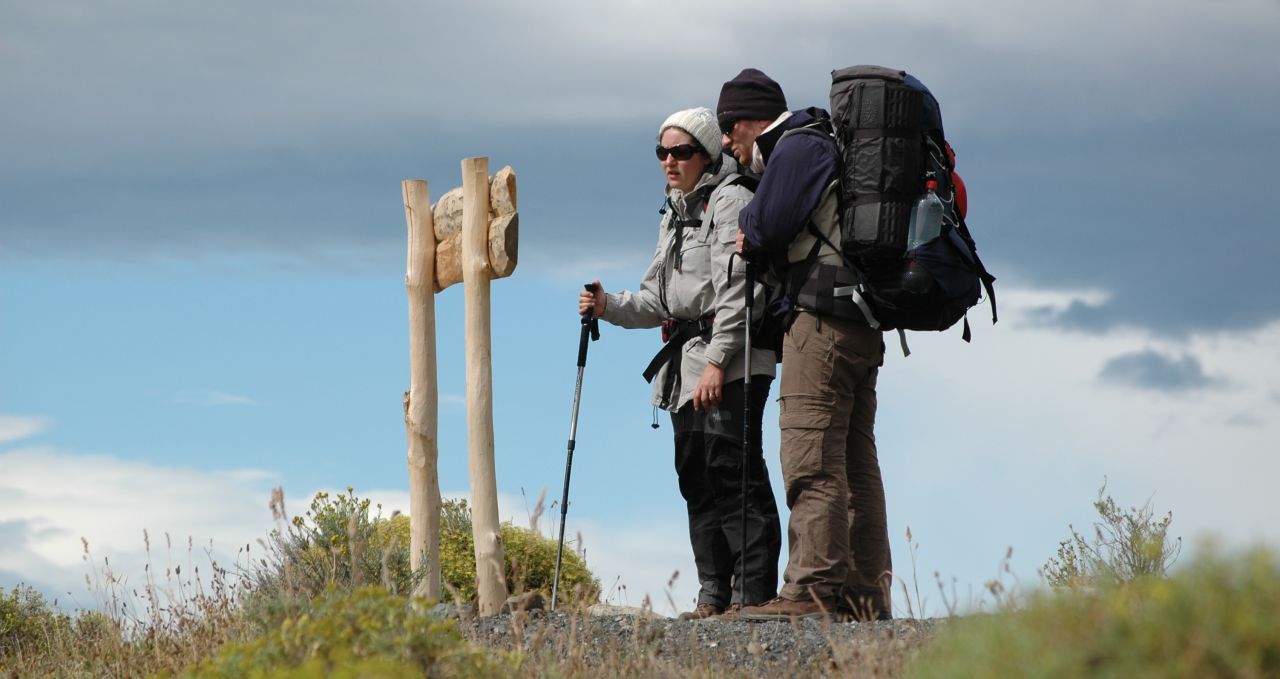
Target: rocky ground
617 639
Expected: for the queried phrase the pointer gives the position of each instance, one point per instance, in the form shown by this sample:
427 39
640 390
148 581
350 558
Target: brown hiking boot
731 614
702 612
788 609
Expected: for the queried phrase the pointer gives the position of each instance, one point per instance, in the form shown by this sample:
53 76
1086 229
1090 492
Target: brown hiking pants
838 532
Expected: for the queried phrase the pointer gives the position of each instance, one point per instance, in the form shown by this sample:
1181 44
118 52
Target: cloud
250 81
16 427
1021 432
1082 315
55 499
1152 370
13 533
452 400
211 397
636 561
1245 420
191 134
49 500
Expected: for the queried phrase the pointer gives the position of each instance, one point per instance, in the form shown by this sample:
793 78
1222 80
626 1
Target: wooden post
490 579
422 399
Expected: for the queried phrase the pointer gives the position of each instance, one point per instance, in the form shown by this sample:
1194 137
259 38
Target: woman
698 375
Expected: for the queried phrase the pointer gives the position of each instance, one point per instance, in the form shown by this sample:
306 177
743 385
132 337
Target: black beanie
751 95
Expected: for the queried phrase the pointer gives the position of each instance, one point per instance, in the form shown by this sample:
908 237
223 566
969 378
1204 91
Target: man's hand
740 242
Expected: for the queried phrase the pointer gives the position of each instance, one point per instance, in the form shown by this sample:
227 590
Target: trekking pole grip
590 329
751 283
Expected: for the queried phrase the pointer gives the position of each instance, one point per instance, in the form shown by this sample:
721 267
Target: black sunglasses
681 152
727 124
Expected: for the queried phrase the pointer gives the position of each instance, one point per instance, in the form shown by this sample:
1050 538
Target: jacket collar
706 184
786 122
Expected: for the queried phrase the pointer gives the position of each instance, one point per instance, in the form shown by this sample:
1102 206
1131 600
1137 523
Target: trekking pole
746 431
591 328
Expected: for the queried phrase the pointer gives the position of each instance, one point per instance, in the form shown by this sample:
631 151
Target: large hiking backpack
889 130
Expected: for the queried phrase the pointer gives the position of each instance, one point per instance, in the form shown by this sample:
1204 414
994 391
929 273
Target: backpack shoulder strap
820 127
733 179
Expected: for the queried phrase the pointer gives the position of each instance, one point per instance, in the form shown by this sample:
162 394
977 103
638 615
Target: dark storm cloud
1166 217
575 187
1246 420
284 129
1156 371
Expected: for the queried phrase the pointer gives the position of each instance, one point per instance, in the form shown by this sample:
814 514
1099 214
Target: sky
202 245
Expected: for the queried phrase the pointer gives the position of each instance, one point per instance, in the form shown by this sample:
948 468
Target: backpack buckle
856 295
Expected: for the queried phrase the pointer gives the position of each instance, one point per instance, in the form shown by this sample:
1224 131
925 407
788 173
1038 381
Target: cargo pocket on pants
803 421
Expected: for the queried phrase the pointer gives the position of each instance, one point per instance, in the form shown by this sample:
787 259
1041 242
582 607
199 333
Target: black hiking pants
709 467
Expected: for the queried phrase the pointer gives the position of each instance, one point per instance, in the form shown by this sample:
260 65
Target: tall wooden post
490 579
471 233
421 401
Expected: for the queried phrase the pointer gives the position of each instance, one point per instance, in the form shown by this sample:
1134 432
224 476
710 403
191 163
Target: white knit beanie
701 124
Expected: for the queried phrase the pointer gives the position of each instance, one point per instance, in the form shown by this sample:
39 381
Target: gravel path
650 644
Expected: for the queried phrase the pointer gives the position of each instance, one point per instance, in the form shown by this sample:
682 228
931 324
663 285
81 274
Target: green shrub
529 559
181 619
1217 618
28 623
337 544
367 632
1128 544
334 544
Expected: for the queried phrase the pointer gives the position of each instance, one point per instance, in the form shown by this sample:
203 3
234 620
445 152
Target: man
839 559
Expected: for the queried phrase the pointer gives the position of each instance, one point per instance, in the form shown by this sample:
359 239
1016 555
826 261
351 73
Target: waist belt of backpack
827 289
675 332
831 290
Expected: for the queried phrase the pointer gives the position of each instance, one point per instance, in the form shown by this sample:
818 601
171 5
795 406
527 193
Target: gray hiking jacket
693 283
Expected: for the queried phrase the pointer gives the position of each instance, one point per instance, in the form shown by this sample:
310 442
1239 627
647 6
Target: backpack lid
868 71
932 112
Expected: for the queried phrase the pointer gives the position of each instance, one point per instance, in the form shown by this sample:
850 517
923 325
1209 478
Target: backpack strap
733 179
820 127
988 280
944 156
829 279
853 291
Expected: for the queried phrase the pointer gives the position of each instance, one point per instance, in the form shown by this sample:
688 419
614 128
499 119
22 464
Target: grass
1220 617
327 597
340 561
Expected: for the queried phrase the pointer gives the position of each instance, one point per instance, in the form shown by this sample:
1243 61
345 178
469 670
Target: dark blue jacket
796 172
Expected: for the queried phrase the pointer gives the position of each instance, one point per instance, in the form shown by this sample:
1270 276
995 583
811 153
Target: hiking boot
702 612
788 609
731 614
